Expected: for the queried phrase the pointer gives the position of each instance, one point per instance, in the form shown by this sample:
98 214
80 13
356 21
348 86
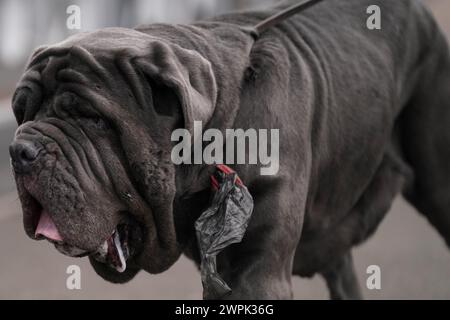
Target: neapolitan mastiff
363 115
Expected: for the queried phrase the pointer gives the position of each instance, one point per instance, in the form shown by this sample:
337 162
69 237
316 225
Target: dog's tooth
123 263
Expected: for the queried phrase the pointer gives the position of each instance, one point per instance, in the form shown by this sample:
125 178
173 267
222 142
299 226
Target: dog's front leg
260 267
258 275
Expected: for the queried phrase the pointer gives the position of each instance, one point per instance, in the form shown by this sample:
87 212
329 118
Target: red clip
227 170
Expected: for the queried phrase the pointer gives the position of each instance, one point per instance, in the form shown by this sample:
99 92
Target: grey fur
363 115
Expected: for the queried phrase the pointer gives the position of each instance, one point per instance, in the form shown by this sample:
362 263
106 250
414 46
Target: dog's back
377 116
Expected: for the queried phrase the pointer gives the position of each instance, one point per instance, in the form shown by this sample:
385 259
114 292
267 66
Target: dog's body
363 115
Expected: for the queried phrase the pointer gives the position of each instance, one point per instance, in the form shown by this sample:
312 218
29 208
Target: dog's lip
74 251
69 250
114 251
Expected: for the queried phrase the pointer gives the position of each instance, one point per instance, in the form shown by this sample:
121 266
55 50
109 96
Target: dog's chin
112 275
116 253
114 258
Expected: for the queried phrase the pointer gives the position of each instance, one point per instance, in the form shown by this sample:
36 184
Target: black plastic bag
222 224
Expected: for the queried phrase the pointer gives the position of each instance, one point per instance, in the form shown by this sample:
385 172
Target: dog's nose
23 154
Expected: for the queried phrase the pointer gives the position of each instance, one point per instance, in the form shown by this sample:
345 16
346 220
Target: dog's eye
67 104
98 122
71 105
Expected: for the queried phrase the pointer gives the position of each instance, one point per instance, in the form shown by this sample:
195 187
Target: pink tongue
47 228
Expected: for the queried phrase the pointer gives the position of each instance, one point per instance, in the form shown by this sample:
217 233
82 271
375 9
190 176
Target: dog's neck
227 47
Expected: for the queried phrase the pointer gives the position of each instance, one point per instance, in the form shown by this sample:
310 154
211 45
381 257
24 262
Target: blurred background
414 261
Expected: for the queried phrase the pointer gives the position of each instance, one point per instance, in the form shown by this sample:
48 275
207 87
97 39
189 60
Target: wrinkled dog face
91 156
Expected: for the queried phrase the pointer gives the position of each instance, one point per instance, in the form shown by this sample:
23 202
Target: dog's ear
179 74
28 94
35 54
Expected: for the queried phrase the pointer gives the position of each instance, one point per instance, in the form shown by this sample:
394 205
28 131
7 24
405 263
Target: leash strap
281 16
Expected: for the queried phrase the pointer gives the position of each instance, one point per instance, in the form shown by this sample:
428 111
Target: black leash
281 16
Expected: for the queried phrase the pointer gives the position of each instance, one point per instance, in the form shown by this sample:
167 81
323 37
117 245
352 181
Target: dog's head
91 156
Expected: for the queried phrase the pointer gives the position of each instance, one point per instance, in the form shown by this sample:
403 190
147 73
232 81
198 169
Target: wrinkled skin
357 111
100 162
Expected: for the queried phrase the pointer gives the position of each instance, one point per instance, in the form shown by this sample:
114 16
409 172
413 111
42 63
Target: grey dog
363 115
